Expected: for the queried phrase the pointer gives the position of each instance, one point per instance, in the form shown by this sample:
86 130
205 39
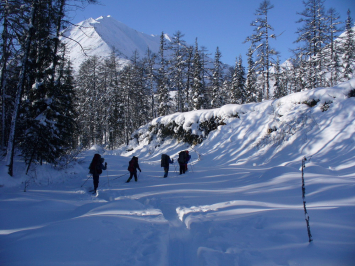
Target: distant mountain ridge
103 35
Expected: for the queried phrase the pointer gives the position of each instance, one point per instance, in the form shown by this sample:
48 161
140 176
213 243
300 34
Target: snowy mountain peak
103 35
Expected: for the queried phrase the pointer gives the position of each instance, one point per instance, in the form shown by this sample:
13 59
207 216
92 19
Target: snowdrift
318 124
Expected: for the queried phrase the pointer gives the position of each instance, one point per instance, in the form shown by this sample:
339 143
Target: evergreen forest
49 112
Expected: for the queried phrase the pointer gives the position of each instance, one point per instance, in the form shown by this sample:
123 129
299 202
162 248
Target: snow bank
259 130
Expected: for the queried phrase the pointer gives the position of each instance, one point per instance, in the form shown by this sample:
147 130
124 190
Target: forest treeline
38 102
47 111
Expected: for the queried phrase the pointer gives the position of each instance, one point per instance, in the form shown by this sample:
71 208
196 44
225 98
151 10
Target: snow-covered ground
240 203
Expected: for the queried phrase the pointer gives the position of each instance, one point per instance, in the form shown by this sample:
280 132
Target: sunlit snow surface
240 203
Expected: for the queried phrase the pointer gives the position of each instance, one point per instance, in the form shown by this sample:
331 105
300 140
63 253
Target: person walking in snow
183 159
182 162
165 161
132 168
96 167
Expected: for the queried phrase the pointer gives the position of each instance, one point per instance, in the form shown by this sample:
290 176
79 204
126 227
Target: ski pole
85 181
192 168
119 176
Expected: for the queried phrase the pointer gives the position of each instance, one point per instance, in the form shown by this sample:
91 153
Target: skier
165 161
132 168
96 167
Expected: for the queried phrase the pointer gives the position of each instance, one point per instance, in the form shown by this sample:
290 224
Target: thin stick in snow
304 201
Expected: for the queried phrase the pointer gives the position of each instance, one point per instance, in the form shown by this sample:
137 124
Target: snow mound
313 123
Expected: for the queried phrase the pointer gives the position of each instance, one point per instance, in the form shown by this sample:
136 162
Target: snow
100 36
240 203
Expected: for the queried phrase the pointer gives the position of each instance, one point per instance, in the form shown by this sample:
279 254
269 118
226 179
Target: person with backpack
165 161
182 161
96 167
132 168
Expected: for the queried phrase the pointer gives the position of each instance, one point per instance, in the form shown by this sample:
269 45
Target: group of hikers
97 165
183 159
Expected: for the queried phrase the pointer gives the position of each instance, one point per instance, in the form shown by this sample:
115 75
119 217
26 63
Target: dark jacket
165 161
133 165
96 165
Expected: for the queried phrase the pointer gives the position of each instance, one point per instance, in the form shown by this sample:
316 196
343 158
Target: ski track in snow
200 218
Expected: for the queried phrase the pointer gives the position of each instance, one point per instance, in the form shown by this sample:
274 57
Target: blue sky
222 23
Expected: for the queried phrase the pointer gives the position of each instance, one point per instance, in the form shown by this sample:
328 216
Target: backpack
132 165
164 160
182 157
95 165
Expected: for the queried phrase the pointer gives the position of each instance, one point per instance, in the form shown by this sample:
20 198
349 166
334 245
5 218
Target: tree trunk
20 86
5 55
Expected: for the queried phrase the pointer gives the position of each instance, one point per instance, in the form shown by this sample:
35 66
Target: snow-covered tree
149 62
250 84
260 43
198 90
279 87
30 40
349 49
177 66
217 81
237 91
115 106
332 63
88 105
189 79
313 35
163 87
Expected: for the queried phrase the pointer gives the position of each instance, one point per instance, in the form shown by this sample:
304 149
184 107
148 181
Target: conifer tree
89 102
260 42
250 87
189 79
66 100
205 75
163 88
198 92
149 62
141 93
115 104
313 36
49 124
32 51
238 93
112 99
279 87
5 45
349 49
332 56
217 81
25 45
177 65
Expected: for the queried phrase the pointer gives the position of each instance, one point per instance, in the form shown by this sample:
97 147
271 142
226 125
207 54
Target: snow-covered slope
275 132
100 36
